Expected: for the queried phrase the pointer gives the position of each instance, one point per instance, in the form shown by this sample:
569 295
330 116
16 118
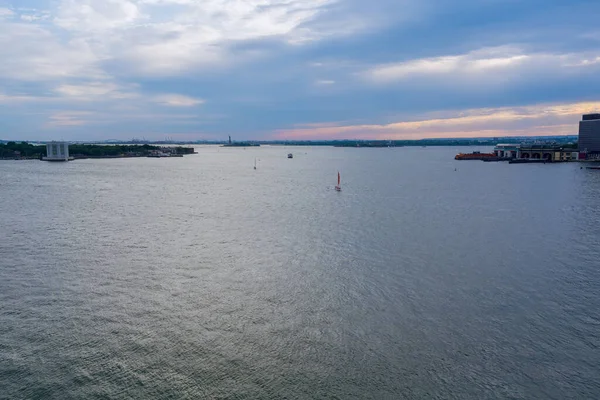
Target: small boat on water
476 155
255 163
290 155
338 188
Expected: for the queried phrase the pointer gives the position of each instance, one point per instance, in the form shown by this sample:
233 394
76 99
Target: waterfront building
547 152
589 136
507 150
57 151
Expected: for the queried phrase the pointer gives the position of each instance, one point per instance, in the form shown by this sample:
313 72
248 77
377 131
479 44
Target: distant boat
290 155
255 163
338 187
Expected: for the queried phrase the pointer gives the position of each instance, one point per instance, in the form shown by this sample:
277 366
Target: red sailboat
338 187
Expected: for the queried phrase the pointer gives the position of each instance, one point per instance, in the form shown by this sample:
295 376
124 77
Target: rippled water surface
200 277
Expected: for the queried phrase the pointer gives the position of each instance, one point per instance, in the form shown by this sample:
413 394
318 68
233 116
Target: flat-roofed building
57 151
507 150
589 135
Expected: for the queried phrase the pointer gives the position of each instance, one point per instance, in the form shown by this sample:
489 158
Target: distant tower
57 151
229 139
589 136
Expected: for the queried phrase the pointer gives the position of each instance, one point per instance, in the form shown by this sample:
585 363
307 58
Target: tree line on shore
22 149
28 150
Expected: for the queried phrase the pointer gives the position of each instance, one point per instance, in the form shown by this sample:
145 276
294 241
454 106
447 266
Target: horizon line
291 140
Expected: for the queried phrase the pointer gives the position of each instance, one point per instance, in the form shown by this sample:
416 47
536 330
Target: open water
200 277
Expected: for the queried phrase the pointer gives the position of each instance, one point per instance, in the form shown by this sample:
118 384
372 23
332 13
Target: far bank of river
27 151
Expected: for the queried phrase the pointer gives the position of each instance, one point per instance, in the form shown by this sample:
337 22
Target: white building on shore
57 151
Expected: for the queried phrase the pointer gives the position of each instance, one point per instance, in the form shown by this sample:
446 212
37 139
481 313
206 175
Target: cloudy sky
296 69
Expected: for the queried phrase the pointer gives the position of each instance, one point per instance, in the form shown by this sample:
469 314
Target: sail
338 179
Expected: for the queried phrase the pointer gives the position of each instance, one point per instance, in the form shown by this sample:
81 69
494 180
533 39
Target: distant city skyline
85 70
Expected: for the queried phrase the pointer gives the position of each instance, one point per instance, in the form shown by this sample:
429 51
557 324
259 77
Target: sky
296 69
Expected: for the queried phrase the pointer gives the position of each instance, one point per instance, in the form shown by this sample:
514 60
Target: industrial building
589 136
57 151
507 150
548 152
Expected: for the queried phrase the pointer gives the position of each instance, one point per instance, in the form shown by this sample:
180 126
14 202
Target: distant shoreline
474 141
86 157
28 151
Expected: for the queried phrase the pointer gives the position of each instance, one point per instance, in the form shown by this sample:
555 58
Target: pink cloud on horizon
537 120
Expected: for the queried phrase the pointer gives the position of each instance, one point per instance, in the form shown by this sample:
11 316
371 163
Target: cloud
68 118
40 56
168 50
593 35
271 64
92 89
108 92
19 98
492 65
553 119
196 34
176 100
5 12
586 62
96 15
128 37
30 18
97 91
32 14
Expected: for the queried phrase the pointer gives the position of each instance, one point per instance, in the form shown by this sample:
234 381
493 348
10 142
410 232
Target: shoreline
75 158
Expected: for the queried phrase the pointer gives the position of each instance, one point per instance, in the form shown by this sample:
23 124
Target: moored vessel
476 155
